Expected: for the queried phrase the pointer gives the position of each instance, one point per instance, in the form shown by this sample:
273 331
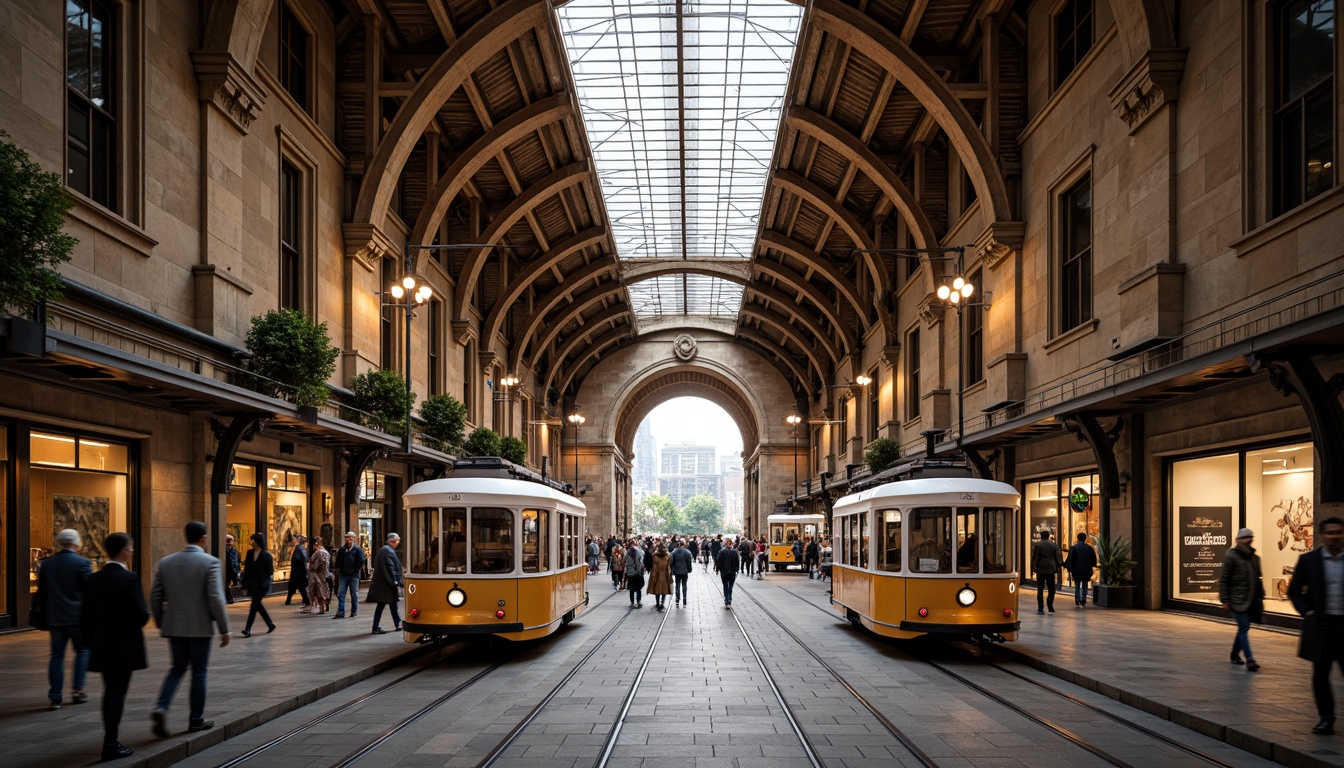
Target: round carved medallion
685 347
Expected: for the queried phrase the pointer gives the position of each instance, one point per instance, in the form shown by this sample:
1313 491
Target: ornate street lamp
576 418
794 420
406 296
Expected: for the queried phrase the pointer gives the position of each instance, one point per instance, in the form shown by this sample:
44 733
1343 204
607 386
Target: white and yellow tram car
492 550
929 556
784 530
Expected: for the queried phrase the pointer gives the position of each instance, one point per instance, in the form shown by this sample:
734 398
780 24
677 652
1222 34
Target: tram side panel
477 616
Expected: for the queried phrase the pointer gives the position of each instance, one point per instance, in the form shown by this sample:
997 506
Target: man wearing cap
1317 592
1240 591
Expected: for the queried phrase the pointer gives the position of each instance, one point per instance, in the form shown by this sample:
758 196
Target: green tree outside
652 514
703 514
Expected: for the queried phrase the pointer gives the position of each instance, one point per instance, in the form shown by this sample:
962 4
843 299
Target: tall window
291 211
1075 270
973 322
1073 37
91 124
386 325
435 340
912 375
874 391
843 450
294 56
468 375
1304 125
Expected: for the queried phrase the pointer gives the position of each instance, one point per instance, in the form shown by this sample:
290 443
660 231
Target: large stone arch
686 381
236 27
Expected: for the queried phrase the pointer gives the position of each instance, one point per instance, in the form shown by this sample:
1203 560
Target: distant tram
784 530
492 549
929 553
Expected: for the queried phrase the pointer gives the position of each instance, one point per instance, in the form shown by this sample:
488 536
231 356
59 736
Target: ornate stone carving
685 348
367 244
224 83
1152 82
999 240
931 310
464 331
891 355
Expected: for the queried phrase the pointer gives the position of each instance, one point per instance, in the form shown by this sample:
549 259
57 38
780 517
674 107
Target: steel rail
615 731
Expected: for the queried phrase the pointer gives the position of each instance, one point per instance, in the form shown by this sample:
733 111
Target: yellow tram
929 554
784 530
492 550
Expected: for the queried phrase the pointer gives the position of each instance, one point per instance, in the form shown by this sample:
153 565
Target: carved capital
489 361
999 240
230 88
1152 82
464 331
367 244
932 309
891 355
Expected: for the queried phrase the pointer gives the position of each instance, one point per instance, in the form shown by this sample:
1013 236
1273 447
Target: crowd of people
102 615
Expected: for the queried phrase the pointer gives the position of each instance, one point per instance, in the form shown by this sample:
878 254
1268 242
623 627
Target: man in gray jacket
683 562
187 601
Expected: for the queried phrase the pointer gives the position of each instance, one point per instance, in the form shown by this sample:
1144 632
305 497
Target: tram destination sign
1205 537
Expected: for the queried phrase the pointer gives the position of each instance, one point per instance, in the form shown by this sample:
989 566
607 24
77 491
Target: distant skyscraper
730 470
644 480
689 470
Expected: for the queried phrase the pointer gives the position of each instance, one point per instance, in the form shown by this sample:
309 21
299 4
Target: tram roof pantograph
940 491
489 492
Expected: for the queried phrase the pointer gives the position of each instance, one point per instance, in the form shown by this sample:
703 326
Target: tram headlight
965 596
456 597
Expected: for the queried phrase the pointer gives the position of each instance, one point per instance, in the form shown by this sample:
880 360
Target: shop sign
1205 539
1080 500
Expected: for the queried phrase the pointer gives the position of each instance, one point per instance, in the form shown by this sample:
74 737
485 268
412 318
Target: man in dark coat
1045 565
683 562
726 564
60 592
811 557
233 569
1080 562
385 587
349 564
298 571
1317 592
113 616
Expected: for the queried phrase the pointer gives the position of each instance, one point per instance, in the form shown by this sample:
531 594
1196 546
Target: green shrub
881 454
483 442
33 204
514 449
293 354
1113 563
445 420
382 395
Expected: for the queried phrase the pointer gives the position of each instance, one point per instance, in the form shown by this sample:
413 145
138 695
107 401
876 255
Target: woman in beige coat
319 567
660 578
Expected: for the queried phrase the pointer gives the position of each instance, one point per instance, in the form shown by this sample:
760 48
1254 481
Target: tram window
998 525
931 540
544 537
491 540
864 539
777 533
534 538
565 521
968 544
790 533
455 540
854 540
891 540
424 542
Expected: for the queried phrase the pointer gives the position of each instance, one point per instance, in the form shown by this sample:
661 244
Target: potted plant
33 204
384 399
445 420
881 454
1115 587
513 449
292 358
483 442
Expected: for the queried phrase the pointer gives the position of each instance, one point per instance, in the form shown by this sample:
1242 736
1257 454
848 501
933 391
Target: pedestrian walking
233 569
258 569
1082 559
681 565
618 567
811 557
607 549
1240 591
113 617
385 586
187 602
744 554
61 579
727 564
1317 592
350 561
827 560
594 552
693 546
319 571
298 572
798 551
634 573
660 576
1045 566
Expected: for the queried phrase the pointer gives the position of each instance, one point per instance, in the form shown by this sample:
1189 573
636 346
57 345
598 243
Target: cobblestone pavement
703 700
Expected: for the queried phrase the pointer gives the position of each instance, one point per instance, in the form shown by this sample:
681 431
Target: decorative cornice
229 87
1152 82
931 310
891 355
999 240
367 244
464 331
489 360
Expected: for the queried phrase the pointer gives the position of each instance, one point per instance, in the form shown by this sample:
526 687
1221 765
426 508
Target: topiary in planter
514 449
445 420
383 398
292 357
33 204
881 454
483 442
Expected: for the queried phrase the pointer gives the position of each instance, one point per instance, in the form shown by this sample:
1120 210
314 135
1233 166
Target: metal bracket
1102 442
241 429
358 460
983 465
1293 372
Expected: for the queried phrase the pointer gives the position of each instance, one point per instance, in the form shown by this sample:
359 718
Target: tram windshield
931 540
968 544
998 523
491 540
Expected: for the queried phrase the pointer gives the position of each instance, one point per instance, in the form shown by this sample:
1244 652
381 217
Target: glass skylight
686 294
681 103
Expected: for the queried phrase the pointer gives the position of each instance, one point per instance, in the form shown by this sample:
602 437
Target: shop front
275 501
1064 505
1269 489
376 512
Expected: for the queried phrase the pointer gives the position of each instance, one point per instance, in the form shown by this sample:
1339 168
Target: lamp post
503 396
794 420
407 296
576 418
957 294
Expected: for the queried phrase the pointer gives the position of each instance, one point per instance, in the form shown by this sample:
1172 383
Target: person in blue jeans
60 593
727 564
1241 591
1080 562
349 564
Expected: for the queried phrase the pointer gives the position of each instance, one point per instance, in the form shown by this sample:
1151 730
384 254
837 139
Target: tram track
1032 716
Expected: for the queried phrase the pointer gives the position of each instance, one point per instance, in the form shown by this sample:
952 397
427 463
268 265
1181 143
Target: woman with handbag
258 568
319 573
